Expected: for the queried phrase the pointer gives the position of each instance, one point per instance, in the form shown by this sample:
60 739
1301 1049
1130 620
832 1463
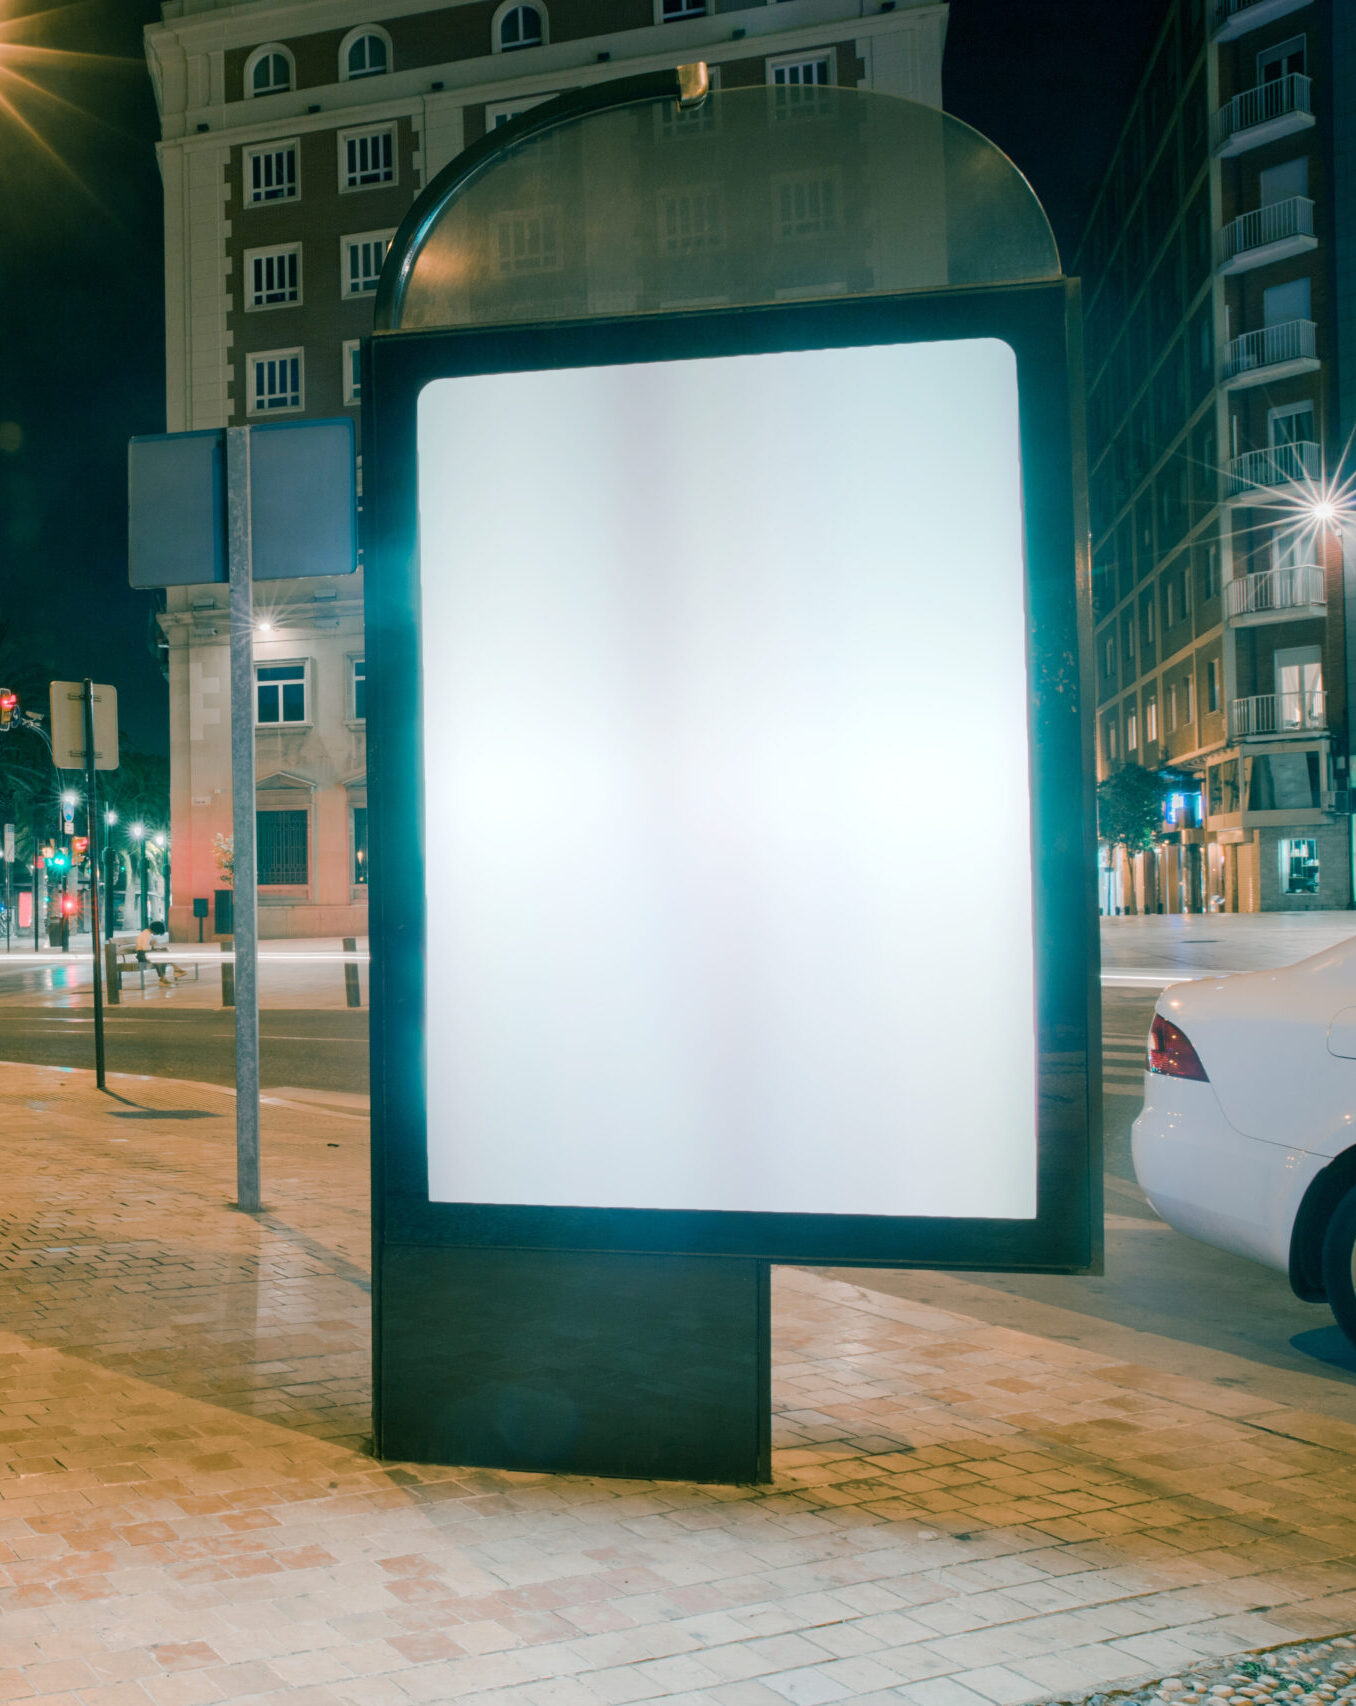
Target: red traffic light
68 904
9 704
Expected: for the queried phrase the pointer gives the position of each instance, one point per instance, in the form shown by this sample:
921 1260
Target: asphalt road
1165 1302
312 1050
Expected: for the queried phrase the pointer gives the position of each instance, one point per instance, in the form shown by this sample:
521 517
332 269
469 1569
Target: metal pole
92 830
145 914
33 868
245 897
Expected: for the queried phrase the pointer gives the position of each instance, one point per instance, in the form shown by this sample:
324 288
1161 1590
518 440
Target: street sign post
70 729
687 957
239 504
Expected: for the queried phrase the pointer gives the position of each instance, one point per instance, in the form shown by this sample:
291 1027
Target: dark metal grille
282 844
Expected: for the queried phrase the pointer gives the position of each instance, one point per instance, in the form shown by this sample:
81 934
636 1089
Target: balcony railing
1299 587
1280 223
1273 346
1279 714
1268 102
1283 465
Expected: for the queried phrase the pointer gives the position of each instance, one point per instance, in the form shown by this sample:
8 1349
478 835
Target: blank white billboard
726 792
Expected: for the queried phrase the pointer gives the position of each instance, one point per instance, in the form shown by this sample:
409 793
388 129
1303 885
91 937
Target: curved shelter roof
655 194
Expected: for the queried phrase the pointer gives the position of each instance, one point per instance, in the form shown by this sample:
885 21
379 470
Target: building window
366 53
1111 744
367 158
1189 699
690 222
273 276
353 370
1109 655
1150 720
1212 685
362 258
798 82
501 112
1285 58
1292 424
1210 571
359 668
275 381
1172 707
1170 604
671 10
1131 731
1150 622
528 241
1299 864
280 693
359 845
520 26
271 173
804 207
269 70
281 840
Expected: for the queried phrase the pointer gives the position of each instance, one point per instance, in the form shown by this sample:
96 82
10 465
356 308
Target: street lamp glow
1324 511
265 627
137 830
68 798
159 838
110 818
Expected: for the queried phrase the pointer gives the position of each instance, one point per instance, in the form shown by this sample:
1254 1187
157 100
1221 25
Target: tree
1130 808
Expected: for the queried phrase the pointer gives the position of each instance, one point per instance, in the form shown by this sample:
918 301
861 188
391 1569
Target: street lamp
110 818
138 833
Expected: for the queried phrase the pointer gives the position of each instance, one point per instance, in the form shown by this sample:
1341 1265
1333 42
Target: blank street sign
302 502
68 726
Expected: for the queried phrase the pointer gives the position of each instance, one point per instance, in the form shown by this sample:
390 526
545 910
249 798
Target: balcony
1283 465
1273 714
1267 234
1237 17
1263 114
1278 595
1276 352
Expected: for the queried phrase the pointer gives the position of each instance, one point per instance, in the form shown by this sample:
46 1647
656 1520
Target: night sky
82 358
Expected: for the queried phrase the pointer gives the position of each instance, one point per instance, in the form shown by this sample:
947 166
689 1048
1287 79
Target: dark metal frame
1041 324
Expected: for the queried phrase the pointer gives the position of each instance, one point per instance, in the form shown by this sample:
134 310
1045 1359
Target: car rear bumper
1208 1180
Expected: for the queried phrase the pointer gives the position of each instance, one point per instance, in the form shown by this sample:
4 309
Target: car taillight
1171 1053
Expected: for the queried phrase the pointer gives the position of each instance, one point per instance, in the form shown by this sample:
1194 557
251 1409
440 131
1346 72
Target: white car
1248 1136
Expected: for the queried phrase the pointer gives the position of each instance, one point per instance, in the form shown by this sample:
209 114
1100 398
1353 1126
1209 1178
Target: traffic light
59 860
9 704
69 904
79 848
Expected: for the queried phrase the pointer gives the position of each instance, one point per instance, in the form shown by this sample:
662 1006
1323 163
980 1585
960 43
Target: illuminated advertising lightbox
734 913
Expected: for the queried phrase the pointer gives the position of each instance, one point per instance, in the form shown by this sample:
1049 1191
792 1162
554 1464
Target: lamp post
138 834
110 818
161 841
68 804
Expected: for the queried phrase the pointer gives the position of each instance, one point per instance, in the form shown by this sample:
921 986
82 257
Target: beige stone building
296 133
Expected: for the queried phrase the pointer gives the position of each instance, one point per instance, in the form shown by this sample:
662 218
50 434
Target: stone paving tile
961 1516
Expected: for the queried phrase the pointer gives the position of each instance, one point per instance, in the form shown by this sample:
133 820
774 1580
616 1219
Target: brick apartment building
296 133
1220 355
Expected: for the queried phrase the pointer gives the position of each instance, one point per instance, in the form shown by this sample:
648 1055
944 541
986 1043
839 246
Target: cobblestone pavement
1310 1673
962 1514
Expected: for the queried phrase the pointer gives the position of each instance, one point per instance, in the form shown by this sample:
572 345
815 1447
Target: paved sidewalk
962 1514
293 973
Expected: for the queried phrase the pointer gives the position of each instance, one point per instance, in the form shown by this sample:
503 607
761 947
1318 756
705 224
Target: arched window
521 26
366 52
269 70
